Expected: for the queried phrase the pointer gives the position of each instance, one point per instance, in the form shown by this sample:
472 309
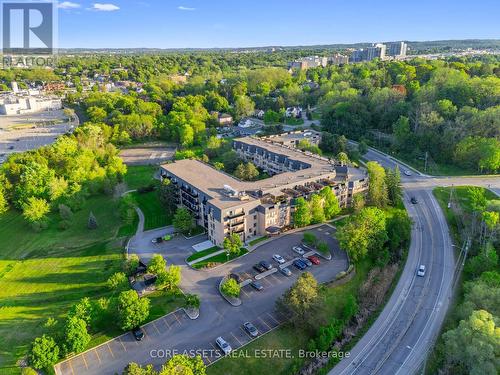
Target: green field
140 175
294 121
257 240
202 253
286 337
219 259
155 215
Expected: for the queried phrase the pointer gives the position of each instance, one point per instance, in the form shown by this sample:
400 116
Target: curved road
399 340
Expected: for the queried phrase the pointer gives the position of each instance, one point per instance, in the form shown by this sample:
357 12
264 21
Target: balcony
237 221
189 191
235 215
238 231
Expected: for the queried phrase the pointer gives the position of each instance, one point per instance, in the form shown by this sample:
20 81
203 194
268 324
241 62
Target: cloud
104 7
68 5
180 7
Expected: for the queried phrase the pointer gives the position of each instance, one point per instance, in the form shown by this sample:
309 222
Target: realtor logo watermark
28 33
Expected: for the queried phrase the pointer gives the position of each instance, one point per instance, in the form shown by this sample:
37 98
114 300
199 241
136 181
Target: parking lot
176 333
147 154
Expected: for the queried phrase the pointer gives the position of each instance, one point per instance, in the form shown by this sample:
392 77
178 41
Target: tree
243 106
132 310
316 208
167 194
301 299
331 205
182 364
135 369
44 352
302 215
474 344
117 281
192 301
96 114
377 189
342 158
92 222
393 183
358 202
271 117
183 220
323 248
35 209
65 212
231 288
82 310
310 239
131 264
170 278
157 264
4 205
362 148
398 231
232 244
76 337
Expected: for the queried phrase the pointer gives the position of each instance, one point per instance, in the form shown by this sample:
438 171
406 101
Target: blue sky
246 23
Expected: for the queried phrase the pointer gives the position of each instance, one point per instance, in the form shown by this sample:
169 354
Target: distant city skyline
258 23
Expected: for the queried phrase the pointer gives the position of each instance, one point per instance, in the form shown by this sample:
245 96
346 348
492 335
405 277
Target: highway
399 340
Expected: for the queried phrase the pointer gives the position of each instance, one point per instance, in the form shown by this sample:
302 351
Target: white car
298 250
223 345
407 173
421 271
278 258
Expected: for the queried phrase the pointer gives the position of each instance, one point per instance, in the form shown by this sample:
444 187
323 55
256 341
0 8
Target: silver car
421 271
298 250
223 345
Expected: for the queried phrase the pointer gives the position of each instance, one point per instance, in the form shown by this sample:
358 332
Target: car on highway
414 200
421 271
251 329
236 277
286 271
298 250
278 258
223 345
138 333
266 264
314 259
258 267
407 172
256 285
307 262
299 264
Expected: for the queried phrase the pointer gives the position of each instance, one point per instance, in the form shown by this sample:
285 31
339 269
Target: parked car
407 172
167 237
157 240
421 271
298 250
250 328
278 258
413 200
299 264
138 333
223 345
286 271
266 264
307 262
258 267
314 259
236 277
256 285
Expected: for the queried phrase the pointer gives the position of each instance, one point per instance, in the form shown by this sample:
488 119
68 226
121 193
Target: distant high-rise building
338 59
377 51
397 49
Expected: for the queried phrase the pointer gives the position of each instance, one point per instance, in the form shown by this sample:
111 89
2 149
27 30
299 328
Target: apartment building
223 204
292 138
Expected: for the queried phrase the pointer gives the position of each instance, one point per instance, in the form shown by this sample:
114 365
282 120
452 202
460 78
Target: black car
138 333
413 200
259 268
266 264
256 285
236 277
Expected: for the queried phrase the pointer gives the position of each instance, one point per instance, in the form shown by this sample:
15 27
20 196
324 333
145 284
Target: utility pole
425 165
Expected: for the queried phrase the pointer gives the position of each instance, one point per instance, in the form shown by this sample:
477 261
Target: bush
323 248
117 281
192 301
44 352
310 239
146 189
64 224
231 288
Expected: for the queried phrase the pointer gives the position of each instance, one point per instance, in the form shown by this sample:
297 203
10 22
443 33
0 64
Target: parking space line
239 342
208 359
175 315
267 281
246 333
273 318
85 361
166 323
97 354
157 330
263 321
245 293
277 279
124 348
71 367
109 348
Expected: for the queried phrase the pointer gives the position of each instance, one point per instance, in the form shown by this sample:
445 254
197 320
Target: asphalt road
399 340
176 333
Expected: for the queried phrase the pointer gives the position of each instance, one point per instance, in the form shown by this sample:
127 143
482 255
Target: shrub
193 301
64 224
44 352
310 239
117 281
230 288
323 248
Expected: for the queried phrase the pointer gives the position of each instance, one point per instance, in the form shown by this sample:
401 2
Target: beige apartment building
223 204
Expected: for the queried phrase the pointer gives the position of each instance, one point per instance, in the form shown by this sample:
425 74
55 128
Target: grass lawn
140 175
202 253
154 214
257 240
219 259
294 121
286 337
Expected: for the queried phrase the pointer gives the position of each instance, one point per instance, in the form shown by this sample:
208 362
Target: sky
253 23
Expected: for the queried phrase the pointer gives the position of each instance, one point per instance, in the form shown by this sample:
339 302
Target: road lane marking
85 361
239 342
112 354
97 354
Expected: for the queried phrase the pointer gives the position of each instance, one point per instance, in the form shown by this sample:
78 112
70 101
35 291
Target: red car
314 259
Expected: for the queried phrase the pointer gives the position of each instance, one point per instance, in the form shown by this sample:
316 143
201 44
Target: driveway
217 317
